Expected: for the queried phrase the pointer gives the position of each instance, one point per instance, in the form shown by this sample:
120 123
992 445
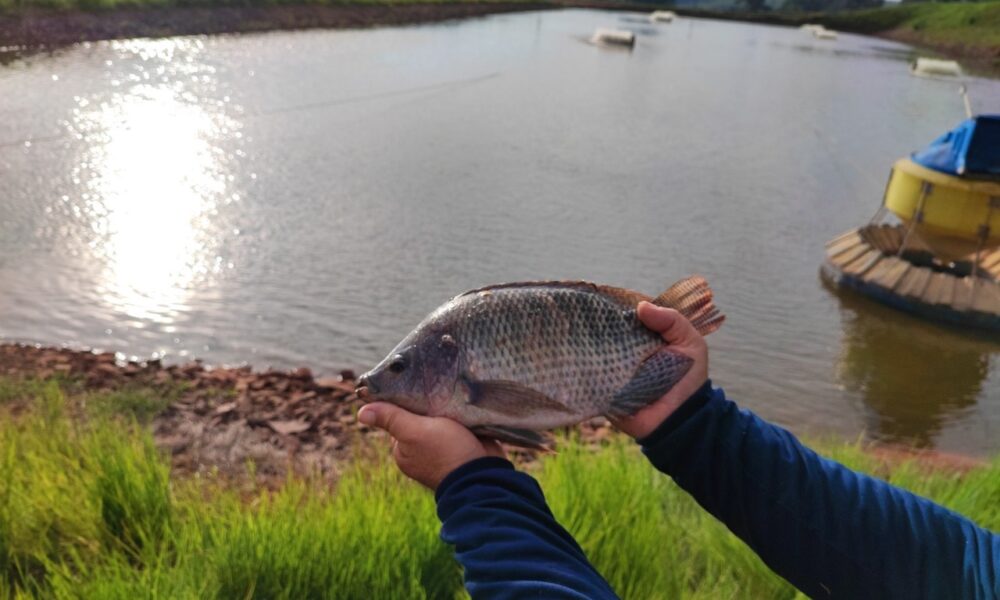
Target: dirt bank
219 418
983 60
55 28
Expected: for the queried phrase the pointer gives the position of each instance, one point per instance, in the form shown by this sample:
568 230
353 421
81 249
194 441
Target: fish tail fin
693 298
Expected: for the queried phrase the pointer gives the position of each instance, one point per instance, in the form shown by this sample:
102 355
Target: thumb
667 322
397 421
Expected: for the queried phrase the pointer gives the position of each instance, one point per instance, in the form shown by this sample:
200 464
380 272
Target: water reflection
914 377
155 178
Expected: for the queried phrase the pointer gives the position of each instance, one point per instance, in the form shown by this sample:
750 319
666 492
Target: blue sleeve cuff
685 411
476 465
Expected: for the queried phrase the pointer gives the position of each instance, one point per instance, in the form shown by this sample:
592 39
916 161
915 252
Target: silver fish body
513 359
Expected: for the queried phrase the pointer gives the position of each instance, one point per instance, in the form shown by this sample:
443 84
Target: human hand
683 338
427 449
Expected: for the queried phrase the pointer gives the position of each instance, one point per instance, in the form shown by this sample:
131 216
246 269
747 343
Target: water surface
304 198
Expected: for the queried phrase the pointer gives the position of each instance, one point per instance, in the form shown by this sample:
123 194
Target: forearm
828 530
506 538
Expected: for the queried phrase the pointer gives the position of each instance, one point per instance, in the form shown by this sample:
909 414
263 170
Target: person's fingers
669 323
400 423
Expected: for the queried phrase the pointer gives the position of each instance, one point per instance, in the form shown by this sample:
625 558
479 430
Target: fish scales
575 346
512 359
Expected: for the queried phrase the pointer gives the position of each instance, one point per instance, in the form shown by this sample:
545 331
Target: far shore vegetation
89 508
962 29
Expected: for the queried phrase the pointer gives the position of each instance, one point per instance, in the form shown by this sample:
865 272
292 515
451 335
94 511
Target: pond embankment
219 418
50 27
968 32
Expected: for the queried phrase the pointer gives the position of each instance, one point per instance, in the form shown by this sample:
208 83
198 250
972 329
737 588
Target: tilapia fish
514 359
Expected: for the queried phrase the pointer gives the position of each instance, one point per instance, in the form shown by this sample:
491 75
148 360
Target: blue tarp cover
971 149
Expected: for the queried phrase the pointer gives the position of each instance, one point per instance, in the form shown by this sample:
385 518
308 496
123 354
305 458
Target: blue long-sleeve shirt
831 532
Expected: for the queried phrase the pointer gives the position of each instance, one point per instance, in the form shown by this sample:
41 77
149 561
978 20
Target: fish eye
398 365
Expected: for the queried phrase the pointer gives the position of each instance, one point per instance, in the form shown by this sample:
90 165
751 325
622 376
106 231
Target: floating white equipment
616 37
662 16
934 66
822 33
810 27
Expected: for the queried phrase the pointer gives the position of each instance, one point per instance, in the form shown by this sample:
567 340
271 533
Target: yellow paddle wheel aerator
941 260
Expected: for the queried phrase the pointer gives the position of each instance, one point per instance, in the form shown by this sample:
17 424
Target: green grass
975 24
88 510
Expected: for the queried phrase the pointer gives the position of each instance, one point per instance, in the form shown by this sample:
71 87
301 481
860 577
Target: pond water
305 198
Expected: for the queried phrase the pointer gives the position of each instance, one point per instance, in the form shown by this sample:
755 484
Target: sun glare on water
156 181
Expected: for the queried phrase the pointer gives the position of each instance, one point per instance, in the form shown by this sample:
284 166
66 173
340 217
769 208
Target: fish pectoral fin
511 398
655 376
525 438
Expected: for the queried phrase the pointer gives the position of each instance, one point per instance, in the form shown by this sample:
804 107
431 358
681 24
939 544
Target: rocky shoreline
218 418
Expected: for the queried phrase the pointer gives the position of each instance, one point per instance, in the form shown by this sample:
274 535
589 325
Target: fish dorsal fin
581 285
693 298
626 298
510 398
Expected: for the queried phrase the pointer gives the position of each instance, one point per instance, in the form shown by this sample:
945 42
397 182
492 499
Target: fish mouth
364 388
